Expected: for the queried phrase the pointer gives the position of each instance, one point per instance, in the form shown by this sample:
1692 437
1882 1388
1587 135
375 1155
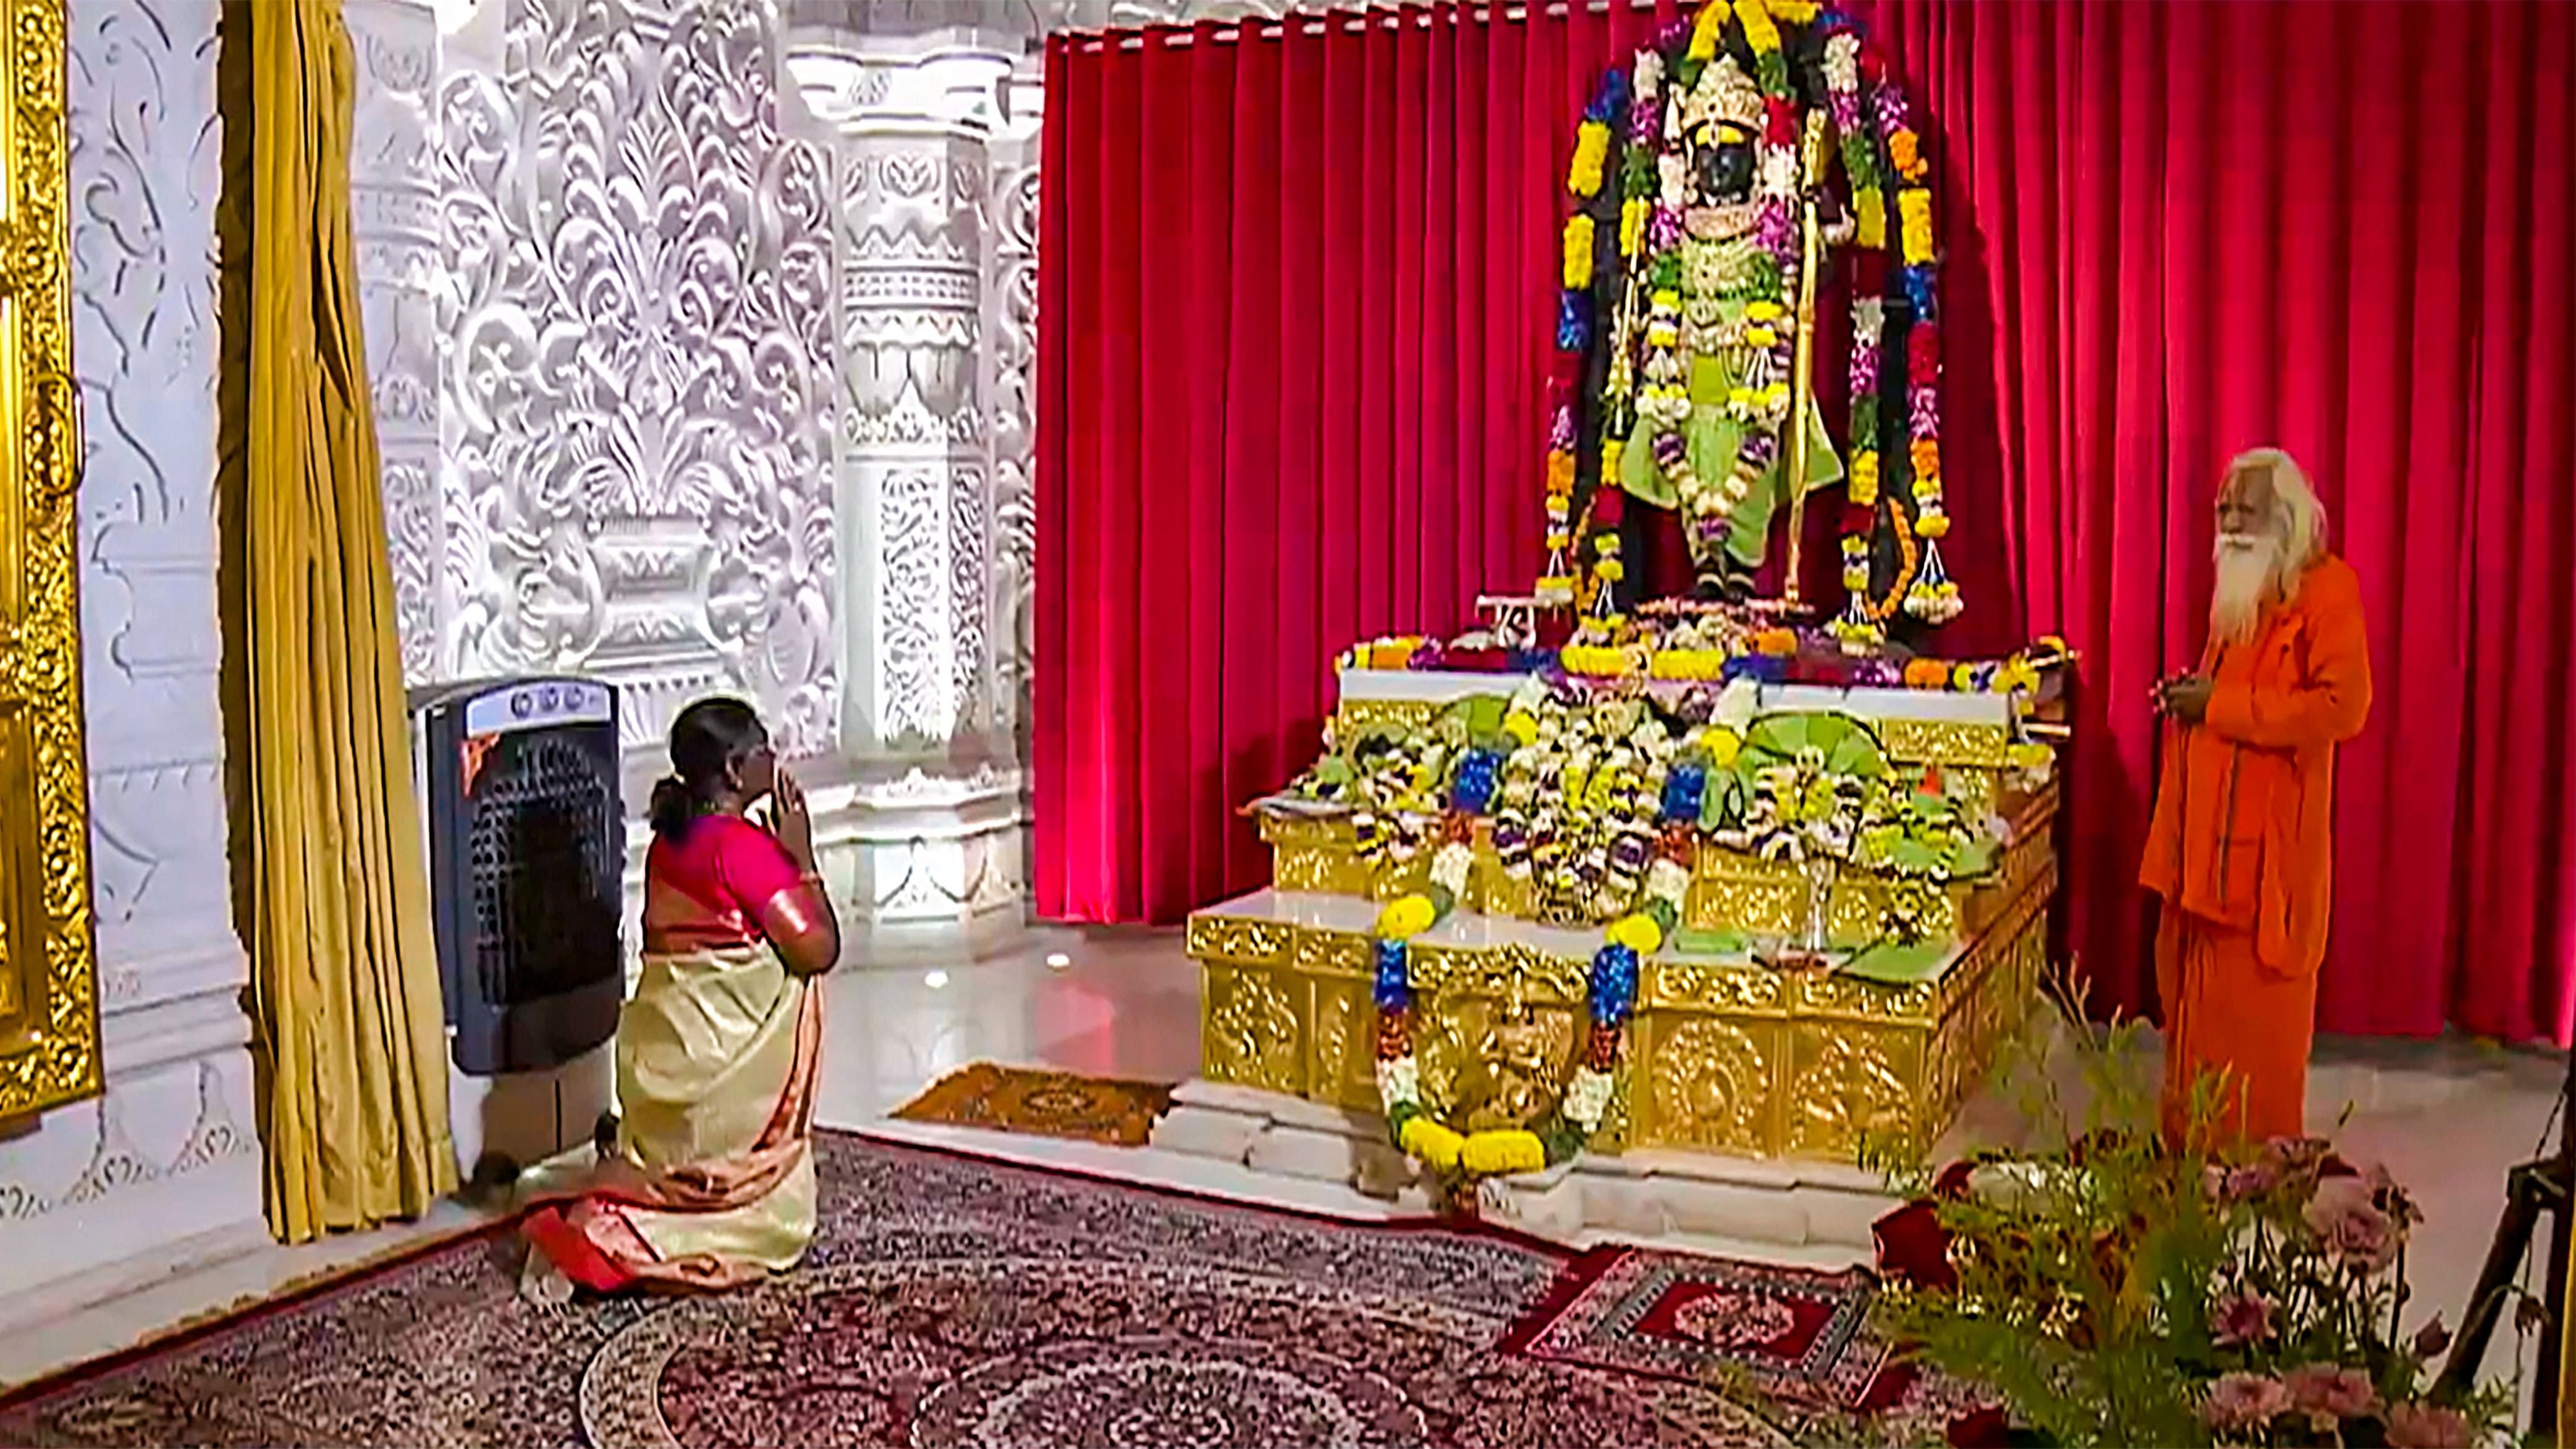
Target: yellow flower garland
1406 917
1639 933
1591 153
1500 1153
1864 477
1759 31
1578 252
1688 664
1705 33
1914 207
1869 220
1433 1144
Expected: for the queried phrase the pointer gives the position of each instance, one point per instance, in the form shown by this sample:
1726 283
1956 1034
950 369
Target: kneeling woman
710 1181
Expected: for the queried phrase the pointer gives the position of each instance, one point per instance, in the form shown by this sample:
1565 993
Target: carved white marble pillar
928 717
393 204
163 1170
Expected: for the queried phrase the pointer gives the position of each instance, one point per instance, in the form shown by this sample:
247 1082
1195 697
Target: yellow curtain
344 983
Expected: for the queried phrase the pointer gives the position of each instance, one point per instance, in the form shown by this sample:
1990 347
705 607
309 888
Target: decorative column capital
928 722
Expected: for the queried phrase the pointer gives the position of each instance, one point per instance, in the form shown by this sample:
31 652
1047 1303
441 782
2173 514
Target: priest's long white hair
2297 514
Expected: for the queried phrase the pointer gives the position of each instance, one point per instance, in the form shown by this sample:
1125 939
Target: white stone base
110 1196
1645 1193
1641 1194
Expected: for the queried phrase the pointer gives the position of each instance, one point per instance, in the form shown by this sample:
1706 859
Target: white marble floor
2448 1118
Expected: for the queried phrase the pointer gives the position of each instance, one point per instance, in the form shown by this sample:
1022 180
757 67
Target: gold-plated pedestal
1724 1055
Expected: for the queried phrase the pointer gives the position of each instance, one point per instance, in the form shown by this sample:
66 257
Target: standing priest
2241 848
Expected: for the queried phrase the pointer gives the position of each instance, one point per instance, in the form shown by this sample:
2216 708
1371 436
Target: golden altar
1726 1055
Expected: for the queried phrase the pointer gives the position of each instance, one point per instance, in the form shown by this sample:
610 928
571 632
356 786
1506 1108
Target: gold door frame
49 1048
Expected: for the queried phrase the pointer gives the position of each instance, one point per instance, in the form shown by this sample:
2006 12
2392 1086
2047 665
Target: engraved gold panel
1959 743
1732 891
1731 990
49 1041
1316 856
1851 1084
1253 1031
1722 1058
1319 871
1344 1070
1240 940
1288 832
1712 1086
1334 953
1499 971
1475 1079
1356 714
1867 1000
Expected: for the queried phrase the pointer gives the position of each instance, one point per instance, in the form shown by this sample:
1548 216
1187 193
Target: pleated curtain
1296 301
334 905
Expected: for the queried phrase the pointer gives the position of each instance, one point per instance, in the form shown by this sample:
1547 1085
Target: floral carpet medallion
949 1302
1796 1338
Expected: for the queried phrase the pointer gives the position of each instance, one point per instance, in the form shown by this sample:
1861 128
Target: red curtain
1296 299
2175 231
1295 291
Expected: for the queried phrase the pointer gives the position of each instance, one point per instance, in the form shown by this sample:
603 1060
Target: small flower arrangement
2118 1290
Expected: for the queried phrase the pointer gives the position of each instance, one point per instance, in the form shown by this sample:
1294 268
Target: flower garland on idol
1899 501
1575 320
1898 514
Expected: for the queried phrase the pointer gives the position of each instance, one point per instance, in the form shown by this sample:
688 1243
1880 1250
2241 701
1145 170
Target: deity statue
1513 1080
1706 434
1720 180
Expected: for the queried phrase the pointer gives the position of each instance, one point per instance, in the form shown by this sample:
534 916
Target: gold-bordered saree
712 1180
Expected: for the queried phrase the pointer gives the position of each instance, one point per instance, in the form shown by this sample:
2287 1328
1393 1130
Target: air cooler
518 783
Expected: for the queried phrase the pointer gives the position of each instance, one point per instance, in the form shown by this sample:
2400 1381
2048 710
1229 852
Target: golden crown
1725 94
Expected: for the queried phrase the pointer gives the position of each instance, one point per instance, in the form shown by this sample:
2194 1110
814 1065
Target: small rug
1797 1339
1044 1103
950 1302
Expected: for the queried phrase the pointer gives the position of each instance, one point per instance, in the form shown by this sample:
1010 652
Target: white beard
2249 567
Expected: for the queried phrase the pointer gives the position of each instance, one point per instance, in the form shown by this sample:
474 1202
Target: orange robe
2241 850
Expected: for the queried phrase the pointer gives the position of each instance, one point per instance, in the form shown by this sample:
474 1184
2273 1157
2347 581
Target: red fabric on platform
2171 231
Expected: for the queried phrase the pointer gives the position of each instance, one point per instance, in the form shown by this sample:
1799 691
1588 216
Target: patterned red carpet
1795 1339
950 1301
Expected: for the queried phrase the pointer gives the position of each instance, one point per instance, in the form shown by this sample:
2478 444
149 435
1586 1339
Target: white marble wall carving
394 213
913 470
1011 327
636 354
166 1163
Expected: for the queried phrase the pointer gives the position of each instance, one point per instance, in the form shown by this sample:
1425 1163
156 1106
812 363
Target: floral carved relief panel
913 424
145 163
636 354
393 200
1013 291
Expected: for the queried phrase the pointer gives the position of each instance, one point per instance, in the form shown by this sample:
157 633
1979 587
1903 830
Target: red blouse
725 884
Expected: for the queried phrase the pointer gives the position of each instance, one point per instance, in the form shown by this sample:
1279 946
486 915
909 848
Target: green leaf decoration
1977 856
1847 745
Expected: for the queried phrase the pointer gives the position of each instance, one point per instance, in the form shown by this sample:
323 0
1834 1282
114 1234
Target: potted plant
2109 1287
